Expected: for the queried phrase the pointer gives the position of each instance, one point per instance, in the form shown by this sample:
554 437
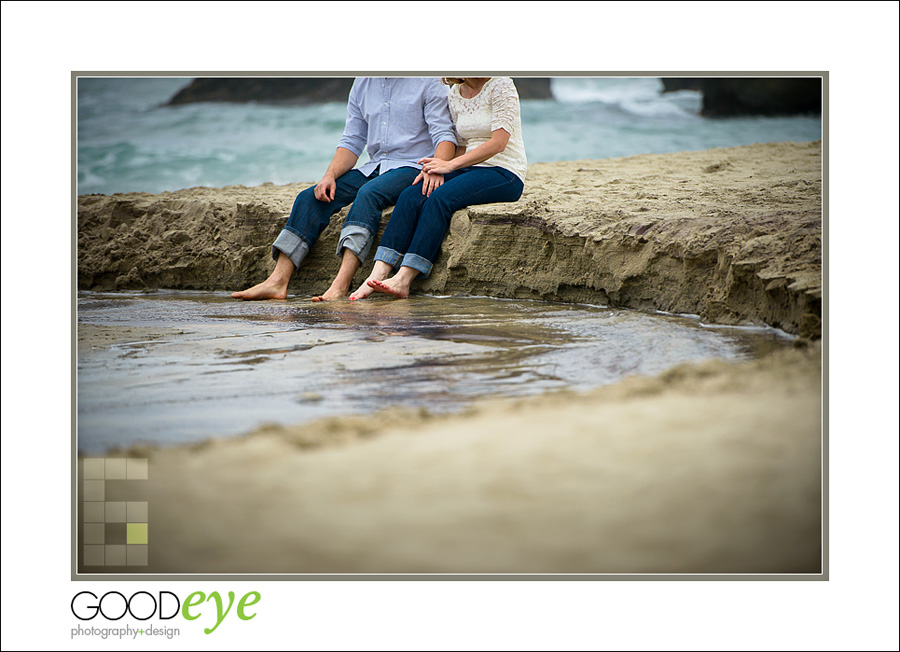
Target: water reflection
219 367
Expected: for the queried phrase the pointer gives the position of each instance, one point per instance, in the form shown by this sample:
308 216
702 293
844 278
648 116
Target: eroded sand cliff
733 235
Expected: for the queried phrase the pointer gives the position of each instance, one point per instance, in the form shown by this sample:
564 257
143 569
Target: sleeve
437 114
356 129
454 116
504 105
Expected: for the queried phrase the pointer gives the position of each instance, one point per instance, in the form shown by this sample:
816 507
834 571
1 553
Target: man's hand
325 189
431 182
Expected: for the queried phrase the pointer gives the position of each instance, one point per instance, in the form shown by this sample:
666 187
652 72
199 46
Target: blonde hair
450 81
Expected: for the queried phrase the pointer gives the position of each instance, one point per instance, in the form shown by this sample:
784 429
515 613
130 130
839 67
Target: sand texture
710 468
733 235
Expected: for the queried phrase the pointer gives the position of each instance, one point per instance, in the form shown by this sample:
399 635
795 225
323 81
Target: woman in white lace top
489 167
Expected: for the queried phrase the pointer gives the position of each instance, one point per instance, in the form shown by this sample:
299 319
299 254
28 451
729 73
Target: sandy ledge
733 235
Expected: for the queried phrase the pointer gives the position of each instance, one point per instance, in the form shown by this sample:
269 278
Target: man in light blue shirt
398 121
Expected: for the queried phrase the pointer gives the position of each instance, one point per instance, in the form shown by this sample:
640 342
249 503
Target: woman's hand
433 165
432 182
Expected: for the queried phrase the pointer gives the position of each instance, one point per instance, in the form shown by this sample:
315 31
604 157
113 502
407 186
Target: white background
857 43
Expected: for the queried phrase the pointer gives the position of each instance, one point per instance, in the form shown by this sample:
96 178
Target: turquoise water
128 141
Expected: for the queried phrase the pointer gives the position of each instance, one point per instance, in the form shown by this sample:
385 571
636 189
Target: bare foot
390 286
365 289
379 272
331 294
362 291
268 289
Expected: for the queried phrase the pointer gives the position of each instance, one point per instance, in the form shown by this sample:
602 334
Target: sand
733 235
708 468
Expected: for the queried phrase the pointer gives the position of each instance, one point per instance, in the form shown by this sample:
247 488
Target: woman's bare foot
363 290
390 286
379 272
397 285
268 289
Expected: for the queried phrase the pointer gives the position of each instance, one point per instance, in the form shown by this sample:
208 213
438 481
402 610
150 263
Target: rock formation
733 96
733 235
302 90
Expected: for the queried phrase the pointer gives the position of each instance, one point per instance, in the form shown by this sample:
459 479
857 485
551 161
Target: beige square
115 468
93 556
115 512
94 533
94 491
137 512
138 468
137 555
94 512
93 468
115 556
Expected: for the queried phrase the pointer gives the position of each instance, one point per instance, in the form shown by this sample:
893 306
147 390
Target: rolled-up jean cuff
357 239
388 256
291 245
418 263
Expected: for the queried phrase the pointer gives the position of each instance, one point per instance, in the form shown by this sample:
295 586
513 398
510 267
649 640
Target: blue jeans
416 229
369 196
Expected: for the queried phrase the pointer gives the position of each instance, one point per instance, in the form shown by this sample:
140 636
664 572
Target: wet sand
709 468
230 366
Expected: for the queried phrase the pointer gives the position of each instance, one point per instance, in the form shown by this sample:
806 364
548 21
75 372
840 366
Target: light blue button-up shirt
397 120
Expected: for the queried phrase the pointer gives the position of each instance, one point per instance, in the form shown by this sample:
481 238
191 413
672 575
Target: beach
708 469
733 235
713 467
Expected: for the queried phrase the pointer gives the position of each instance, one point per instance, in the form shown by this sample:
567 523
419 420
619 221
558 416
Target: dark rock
533 88
303 90
266 90
671 84
732 96
761 96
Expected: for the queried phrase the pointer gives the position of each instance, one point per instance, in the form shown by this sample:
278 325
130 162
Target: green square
94 512
137 512
137 533
93 468
115 468
94 533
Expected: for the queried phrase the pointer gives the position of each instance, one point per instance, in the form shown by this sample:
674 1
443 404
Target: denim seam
388 255
415 259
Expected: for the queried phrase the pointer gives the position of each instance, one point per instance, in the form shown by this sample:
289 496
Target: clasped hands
433 171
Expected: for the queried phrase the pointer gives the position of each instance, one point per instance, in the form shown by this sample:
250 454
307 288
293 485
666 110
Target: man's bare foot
268 289
390 286
331 294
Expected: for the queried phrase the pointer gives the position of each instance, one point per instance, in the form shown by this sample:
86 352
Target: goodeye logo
143 606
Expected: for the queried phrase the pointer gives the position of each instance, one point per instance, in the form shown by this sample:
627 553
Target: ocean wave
128 141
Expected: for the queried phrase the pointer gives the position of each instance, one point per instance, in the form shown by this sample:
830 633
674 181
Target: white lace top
495 107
